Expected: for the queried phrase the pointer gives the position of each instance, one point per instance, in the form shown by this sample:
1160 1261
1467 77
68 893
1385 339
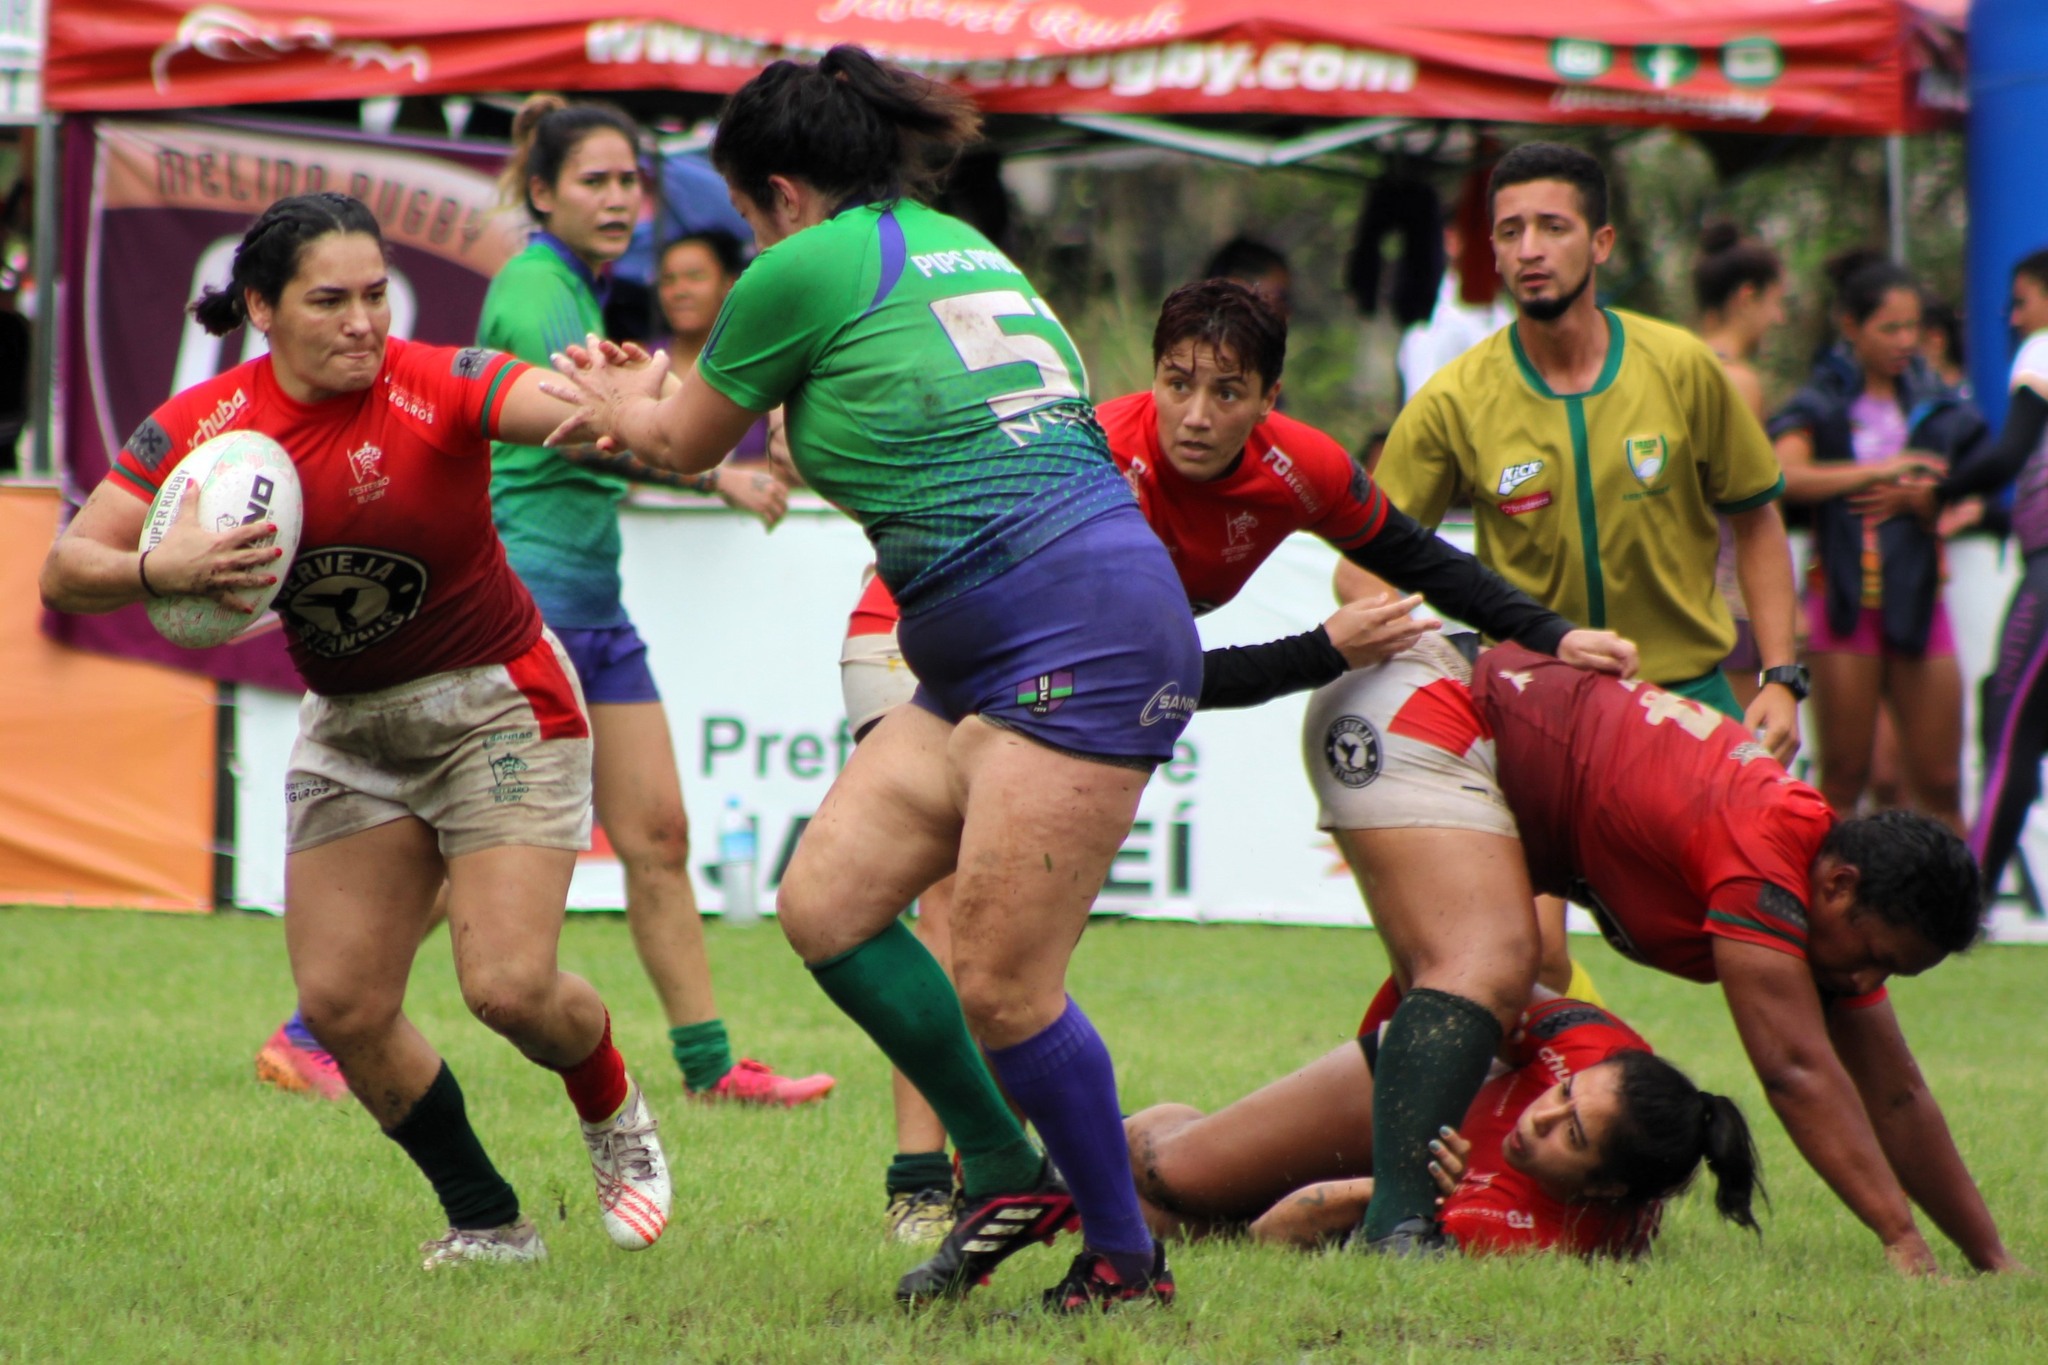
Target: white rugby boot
631 1173
518 1241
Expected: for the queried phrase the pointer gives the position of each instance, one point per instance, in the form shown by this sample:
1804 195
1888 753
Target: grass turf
157 1204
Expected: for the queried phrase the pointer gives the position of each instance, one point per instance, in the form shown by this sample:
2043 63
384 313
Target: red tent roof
1810 66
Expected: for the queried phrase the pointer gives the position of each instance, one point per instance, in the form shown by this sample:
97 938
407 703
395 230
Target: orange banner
106 765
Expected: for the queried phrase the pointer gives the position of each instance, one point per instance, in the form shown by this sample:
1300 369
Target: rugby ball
238 477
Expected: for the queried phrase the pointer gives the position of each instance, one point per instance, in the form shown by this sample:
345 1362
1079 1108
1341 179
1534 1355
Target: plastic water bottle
738 845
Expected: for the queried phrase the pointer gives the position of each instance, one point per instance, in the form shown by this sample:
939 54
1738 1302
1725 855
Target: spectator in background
1941 341
693 275
1258 267
1738 284
1860 444
1454 328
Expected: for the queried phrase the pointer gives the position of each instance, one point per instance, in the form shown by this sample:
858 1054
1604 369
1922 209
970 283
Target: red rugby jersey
1290 478
1661 815
1496 1208
399 573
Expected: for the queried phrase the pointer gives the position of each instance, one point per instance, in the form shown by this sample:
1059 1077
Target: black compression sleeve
1999 464
1415 559
1246 675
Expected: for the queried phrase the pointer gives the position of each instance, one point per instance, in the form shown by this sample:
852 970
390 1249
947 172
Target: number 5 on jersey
972 322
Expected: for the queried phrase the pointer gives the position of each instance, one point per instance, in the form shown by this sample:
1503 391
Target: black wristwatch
1792 677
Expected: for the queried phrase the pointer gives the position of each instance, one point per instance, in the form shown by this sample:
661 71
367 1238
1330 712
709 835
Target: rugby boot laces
631 1173
922 1216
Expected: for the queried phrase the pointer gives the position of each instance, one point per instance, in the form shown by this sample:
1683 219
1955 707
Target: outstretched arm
1912 1131
1778 1013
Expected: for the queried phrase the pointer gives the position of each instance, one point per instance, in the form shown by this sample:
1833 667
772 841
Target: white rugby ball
241 476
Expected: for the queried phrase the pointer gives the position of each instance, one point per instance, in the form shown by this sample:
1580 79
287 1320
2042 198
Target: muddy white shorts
487 756
873 678
1401 746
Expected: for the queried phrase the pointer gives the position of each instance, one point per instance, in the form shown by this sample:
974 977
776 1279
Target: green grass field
156 1204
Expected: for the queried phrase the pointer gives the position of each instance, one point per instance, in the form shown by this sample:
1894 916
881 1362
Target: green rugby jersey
929 392
559 521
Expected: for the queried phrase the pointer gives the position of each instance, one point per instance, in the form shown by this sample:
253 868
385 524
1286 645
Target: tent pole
43 255
1895 193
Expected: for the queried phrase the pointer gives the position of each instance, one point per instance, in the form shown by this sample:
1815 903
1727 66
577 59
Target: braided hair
268 256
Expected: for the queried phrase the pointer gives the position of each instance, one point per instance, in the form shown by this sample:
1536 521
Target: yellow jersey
1601 505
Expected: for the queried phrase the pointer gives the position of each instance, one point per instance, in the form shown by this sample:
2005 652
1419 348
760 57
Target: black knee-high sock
436 1134
1431 1063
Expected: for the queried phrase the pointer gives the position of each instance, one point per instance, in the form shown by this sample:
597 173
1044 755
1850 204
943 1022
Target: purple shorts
1868 636
1087 646
611 663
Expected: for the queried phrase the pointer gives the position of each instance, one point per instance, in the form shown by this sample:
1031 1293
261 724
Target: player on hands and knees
444 737
1699 856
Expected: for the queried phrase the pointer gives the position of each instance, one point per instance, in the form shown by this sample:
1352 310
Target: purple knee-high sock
1065 1081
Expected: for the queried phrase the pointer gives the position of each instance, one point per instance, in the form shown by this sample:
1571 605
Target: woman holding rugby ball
444 736
933 395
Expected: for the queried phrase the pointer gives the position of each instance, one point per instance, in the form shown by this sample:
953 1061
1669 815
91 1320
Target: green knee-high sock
703 1052
1431 1063
893 988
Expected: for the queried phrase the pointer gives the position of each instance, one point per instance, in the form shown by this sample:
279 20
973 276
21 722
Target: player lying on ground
431 677
1457 790
1574 1143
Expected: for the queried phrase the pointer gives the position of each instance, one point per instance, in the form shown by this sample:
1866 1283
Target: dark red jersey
1290 478
1497 1208
399 573
1661 815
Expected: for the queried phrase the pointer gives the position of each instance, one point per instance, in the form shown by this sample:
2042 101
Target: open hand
755 491
605 379
191 561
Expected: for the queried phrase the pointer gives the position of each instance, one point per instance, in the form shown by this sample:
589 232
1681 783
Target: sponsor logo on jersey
1352 749
150 444
1515 475
1283 465
1237 532
1748 753
215 422
412 405
1646 457
1169 703
1045 693
1515 507
365 466
342 599
471 362
1520 678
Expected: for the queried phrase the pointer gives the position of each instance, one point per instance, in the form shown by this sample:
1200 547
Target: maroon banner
153 212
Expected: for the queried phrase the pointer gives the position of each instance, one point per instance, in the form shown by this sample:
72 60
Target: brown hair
544 132
1224 316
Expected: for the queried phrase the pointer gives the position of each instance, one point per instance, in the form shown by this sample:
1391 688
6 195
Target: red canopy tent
1801 66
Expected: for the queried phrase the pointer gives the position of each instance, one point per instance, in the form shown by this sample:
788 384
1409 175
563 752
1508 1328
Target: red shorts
1868 638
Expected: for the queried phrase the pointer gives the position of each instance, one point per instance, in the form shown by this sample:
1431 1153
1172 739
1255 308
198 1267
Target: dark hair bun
1719 236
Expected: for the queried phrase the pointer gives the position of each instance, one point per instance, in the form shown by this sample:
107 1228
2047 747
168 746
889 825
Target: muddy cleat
307 1070
518 1241
1411 1237
989 1230
1093 1284
923 1216
752 1082
631 1174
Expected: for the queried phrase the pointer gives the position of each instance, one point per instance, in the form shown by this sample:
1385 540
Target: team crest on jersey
1237 530
342 599
1646 456
365 466
1515 475
508 783
1352 749
1045 693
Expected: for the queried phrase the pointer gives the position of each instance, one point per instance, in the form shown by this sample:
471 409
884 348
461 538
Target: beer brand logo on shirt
371 482
342 599
1044 693
1646 456
1352 749
1515 475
